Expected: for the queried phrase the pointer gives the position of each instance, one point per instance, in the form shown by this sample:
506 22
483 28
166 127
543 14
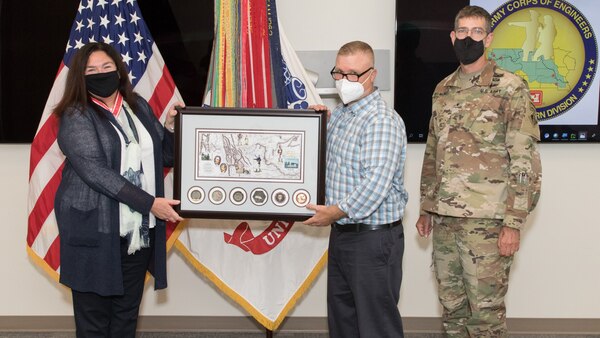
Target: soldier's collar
485 79
487 73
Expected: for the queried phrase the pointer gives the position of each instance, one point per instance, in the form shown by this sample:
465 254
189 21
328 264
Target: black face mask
102 84
468 50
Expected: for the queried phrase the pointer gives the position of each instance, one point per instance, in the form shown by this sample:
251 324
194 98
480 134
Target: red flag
120 24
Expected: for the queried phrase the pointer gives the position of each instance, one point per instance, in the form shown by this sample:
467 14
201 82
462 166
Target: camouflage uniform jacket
481 158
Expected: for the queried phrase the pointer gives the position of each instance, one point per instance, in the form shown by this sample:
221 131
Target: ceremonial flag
265 267
120 24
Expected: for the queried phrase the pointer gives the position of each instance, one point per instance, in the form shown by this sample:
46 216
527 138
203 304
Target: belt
360 227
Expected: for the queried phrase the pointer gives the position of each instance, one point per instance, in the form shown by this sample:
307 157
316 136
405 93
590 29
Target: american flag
120 24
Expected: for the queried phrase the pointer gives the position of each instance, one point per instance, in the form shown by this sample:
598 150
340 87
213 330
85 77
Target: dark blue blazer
87 199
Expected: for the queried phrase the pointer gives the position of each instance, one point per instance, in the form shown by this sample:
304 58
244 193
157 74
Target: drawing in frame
242 163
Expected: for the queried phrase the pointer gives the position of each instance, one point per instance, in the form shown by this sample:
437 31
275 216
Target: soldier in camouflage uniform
481 177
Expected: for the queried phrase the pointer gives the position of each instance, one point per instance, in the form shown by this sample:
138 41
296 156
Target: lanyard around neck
116 109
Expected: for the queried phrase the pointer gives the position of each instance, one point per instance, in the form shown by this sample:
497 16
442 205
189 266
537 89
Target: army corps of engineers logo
551 45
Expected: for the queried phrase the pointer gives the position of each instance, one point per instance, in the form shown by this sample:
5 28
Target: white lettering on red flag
264 266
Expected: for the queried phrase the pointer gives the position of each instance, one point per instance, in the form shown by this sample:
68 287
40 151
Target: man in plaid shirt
365 201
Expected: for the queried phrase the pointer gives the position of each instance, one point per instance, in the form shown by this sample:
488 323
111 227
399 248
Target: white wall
556 273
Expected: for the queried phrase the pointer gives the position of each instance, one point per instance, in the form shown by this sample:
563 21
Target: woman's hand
170 119
163 208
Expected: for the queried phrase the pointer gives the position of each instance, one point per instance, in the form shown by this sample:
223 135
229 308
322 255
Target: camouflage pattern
481 159
472 276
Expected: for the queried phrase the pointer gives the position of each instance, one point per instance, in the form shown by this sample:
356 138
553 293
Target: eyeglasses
352 77
477 33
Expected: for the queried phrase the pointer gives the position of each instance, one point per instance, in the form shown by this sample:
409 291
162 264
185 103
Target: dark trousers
114 316
363 283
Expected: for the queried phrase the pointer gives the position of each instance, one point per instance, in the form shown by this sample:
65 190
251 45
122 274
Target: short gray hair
357 47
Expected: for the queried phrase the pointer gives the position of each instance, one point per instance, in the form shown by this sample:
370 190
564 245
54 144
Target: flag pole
269 333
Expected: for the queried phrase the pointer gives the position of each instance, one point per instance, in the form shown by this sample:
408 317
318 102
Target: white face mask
350 91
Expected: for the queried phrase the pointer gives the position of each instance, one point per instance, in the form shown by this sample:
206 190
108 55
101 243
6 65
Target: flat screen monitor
551 44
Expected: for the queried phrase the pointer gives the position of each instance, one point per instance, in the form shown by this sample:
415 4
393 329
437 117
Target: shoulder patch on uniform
530 125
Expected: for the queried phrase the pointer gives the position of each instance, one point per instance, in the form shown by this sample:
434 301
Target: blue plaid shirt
366 151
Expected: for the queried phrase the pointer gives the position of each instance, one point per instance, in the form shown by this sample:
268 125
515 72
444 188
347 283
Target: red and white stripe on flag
120 24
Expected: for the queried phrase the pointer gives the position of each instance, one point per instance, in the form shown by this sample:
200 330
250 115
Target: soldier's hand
509 241
424 225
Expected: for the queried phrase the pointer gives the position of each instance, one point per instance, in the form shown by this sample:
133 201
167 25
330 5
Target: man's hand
424 225
324 215
508 241
320 107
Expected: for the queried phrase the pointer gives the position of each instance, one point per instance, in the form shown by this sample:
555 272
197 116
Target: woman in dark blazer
109 206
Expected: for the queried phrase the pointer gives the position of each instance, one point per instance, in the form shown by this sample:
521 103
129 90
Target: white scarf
137 153
131 169
136 159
